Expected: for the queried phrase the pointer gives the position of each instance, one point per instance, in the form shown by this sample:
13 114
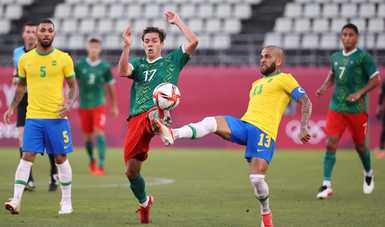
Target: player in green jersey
93 74
146 73
354 74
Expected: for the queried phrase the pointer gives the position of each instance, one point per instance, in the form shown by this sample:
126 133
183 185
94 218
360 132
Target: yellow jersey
45 76
268 99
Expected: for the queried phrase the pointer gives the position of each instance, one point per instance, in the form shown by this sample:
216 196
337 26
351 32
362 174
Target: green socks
365 159
329 161
101 143
89 149
137 186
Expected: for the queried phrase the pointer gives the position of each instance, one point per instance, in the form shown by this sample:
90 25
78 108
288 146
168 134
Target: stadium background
209 187
218 77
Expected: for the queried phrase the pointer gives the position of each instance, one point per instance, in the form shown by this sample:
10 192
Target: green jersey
92 77
351 72
147 75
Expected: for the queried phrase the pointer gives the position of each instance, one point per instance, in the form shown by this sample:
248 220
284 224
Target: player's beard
46 44
269 70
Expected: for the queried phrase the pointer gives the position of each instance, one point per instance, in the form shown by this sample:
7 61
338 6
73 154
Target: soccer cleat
12 207
30 187
380 154
92 166
368 185
65 208
324 192
98 172
52 186
166 134
144 212
267 220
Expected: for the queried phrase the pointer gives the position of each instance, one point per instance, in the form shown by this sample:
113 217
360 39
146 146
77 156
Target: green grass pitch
205 188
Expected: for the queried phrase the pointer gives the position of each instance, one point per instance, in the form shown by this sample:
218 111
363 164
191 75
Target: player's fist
7 115
171 17
304 135
320 91
127 37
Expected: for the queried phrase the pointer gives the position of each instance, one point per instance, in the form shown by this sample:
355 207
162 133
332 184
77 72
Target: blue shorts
50 135
258 143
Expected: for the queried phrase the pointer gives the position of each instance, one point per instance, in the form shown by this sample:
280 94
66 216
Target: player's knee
331 146
131 174
360 148
60 159
260 186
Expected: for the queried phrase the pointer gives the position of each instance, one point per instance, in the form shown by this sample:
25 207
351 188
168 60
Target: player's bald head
276 52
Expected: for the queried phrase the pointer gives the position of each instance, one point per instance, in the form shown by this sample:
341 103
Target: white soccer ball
166 96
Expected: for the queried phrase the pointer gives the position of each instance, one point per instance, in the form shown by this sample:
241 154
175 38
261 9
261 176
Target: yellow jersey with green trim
45 75
268 99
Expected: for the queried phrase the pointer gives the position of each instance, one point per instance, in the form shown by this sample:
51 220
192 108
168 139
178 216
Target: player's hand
8 115
304 135
127 37
320 91
354 97
115 111
64 109
15 81
171 17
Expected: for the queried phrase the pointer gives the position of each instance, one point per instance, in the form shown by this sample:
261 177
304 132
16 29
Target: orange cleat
144 212
380 154
92 166
98 172
267 220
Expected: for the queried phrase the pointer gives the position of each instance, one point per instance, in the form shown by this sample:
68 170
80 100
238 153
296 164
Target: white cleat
12 206
166 134
324 192
368 185
65 208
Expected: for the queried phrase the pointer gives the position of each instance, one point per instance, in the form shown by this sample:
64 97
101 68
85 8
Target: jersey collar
95 63
349 53
156 59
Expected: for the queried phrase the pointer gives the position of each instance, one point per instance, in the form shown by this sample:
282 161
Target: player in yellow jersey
258 127
42 71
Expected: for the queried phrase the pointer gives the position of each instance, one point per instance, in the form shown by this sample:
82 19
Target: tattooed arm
306 108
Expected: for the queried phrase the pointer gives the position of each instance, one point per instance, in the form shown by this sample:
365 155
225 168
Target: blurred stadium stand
230 31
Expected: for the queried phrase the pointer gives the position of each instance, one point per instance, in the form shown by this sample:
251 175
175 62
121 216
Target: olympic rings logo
316 131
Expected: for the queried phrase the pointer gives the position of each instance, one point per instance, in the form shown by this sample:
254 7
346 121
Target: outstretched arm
329 82
20 91
124 67
71 97
192 39
306 108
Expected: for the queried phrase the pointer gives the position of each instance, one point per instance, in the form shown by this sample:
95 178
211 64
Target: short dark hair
94 40
161 33
351 26
46 21
29 23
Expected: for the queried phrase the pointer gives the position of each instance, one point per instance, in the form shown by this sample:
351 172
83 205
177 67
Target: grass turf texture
211 189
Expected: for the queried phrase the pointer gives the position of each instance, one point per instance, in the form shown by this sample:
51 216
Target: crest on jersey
54 62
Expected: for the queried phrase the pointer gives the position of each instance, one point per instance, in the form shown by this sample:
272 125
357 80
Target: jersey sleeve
180 57
108 75
369 66
20 68
68 68
292 87
134 64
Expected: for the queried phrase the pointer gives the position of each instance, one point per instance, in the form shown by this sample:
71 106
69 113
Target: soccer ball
166 96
